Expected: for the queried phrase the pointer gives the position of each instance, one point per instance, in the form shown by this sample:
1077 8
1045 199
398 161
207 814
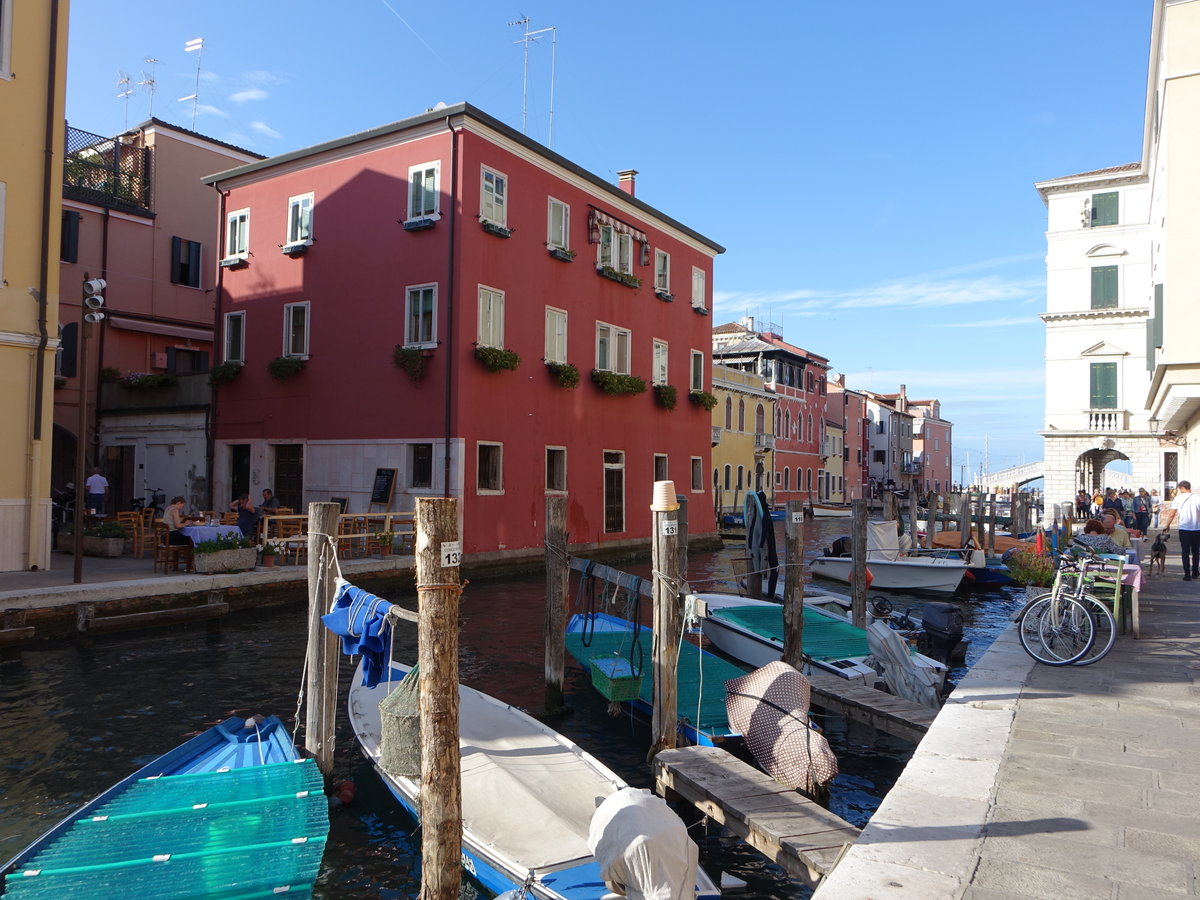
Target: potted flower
665 395
567 374
616 384
223 373
496 358
703 399
385 539
227 553
412 361
105 539
1032 569
284 367
269 551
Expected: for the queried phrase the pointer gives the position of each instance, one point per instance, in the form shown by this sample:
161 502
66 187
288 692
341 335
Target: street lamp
93 304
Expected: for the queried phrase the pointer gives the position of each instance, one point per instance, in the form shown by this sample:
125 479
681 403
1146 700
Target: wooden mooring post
858 569
558 577
667 615
323 651
793 584
437 550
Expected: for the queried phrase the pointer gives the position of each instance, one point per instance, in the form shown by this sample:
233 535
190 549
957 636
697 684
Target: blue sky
868 166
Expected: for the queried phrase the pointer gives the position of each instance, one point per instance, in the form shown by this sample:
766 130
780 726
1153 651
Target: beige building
743 441
1171 159
33 50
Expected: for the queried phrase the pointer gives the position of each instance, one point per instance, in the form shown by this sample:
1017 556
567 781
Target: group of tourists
1140 511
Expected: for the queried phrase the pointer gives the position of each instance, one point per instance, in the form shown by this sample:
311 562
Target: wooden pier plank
792 830
885 712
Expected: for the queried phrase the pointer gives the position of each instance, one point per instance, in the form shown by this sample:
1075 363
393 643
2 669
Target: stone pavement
1055 783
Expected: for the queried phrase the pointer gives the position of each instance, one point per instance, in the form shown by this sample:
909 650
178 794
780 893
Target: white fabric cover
905 675
882 540
643 847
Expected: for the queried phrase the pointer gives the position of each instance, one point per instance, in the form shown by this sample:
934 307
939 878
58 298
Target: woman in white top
174 518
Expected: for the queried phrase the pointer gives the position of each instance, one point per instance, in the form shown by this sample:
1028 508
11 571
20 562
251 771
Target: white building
1098 297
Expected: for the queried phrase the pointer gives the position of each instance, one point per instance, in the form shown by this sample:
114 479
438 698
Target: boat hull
824 511
930 574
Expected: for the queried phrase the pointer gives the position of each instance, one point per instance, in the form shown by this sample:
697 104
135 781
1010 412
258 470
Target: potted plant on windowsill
567 374
703 399
665 395
496 358
284 367
223 373
562 254
496 228
665 296
619 277
227 553
615 384
413 361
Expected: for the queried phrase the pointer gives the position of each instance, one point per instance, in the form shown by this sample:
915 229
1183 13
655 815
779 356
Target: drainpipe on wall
210 438
35 530
450 308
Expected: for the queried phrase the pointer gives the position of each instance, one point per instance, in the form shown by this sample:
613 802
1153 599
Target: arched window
808 480
760 420
778 422
740 481
787 424
741 415
811 434
728 476
728 413
787 478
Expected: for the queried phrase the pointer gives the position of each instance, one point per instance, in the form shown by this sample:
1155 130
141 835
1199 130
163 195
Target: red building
849 408
797 378
419 299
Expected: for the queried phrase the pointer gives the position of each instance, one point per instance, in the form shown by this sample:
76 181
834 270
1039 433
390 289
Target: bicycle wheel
1104 631
1055 631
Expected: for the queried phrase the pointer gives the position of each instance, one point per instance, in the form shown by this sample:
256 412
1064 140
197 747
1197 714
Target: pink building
412 306
797 378
136 213
932 445
849 406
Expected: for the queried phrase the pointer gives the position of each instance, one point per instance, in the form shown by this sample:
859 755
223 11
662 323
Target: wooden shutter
176 268
1104 385
1104 287
70 237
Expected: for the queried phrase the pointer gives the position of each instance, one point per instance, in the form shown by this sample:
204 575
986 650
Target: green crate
613 677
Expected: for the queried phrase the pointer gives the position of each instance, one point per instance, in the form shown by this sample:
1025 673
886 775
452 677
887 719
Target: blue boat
528 795
232 812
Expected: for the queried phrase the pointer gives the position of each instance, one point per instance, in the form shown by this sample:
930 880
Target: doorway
289 476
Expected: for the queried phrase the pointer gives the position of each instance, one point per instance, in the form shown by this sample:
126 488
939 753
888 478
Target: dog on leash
1158 553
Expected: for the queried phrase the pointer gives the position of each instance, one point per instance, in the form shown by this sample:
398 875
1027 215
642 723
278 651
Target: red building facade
447 300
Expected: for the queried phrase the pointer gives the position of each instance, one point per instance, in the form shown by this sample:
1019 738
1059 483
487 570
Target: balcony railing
764 442
106 171
912 468
716 435
1108 420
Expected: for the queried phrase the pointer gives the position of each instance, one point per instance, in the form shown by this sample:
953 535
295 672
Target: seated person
1094 536
247 516
1119 535
269 500
175 518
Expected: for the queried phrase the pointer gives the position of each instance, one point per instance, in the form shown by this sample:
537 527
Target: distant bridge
1017 475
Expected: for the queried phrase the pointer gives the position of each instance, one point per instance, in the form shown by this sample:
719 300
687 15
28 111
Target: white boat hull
821 511
926 574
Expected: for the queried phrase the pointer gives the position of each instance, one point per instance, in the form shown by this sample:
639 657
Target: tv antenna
148 84
123 92
528 38
196 44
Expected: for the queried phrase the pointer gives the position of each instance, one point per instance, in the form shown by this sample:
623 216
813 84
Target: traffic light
93 300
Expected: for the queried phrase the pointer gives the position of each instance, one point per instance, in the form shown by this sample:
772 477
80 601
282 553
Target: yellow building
743 438
33 53
832 480
1171 158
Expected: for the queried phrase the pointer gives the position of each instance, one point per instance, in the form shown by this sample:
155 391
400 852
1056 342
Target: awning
190 333
617 225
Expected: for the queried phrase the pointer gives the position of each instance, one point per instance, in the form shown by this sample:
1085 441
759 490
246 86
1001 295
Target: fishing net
400 722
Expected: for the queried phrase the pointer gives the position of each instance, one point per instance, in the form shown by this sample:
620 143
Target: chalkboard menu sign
381 491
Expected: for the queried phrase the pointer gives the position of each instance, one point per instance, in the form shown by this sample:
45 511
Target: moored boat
830 511
231 812
890 568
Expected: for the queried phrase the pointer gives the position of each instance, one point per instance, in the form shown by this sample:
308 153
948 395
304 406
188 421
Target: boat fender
978 559
870 578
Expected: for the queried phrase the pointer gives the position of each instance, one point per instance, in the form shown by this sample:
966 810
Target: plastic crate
613 677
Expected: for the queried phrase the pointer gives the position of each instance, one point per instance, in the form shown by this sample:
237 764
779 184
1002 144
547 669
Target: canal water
74 721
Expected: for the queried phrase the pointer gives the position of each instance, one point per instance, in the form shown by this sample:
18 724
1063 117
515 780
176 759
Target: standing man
1186 508
97 490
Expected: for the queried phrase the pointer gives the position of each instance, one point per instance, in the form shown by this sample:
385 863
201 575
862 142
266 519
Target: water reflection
76 721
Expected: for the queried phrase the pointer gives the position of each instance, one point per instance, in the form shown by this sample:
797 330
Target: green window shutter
1150 346
1158 315
1104 287
1104 208
1104 385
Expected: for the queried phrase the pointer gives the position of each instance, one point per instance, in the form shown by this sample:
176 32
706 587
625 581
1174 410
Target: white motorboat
830 511
892 569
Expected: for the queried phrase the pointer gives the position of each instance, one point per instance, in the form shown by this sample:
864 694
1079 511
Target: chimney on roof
903 404
627 181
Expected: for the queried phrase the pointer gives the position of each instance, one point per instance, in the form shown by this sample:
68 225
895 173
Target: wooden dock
883 711
785 826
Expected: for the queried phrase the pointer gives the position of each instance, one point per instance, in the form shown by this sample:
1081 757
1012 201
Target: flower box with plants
619 277
422 224
268 551
665 296
226 553
616 385
665 395
297 248
1032 569
234 262
703 399
413 361
562 254
105 539
223 373
284 367
496 358
567 374
144 381
495 228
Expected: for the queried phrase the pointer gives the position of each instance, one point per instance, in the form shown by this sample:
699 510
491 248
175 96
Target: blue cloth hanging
360 619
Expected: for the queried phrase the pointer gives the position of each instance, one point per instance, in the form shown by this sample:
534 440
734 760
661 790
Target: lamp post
93 301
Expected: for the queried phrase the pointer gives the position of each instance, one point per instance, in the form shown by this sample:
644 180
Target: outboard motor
943 624
841 546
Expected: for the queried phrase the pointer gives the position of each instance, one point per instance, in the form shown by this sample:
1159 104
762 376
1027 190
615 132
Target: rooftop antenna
123 92
148 84
528 38
196 44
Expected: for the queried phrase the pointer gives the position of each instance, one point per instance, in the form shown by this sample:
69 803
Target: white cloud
205 109
245 96
262 77
264 129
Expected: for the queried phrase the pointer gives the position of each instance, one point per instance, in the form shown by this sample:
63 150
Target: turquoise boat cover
824 637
